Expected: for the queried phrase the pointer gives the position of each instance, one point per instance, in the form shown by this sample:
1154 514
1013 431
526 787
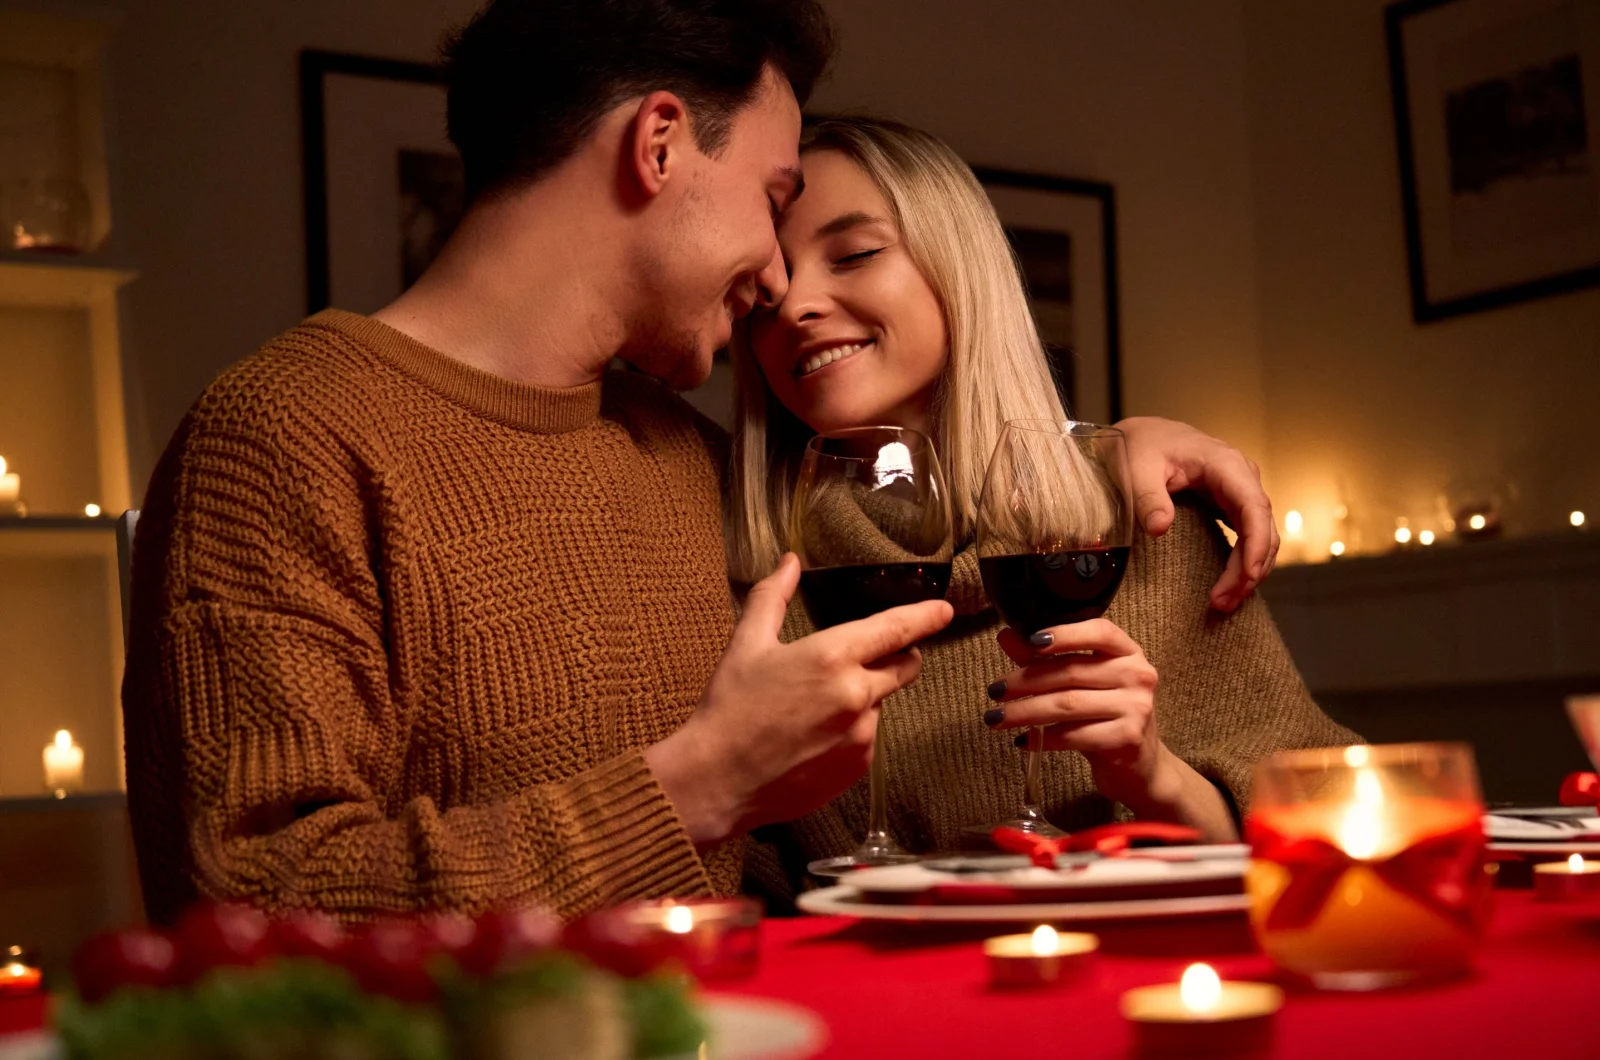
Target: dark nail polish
994 716
1021 740
1042 639
998 689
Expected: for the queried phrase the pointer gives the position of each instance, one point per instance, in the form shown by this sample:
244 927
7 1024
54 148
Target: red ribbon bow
1106 839
1581 789
1444 873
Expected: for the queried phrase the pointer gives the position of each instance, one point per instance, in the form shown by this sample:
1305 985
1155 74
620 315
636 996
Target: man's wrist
687 771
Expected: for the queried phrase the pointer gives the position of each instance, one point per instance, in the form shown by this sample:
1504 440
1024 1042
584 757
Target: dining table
888 989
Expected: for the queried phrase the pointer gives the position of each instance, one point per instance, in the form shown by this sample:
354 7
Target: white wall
1354 390
208 135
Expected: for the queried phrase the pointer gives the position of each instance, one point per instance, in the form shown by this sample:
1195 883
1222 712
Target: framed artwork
383 185
1064 233
1497 114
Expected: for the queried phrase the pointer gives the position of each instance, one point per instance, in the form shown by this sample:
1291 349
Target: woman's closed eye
858 258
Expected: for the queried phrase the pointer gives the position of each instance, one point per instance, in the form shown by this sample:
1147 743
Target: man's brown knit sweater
401 629
1229 695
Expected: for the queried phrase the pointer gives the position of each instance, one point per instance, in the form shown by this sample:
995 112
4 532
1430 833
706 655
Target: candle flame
1357 756
63 739
1402 534
1575 863
1045 940
1477 522
1337 548
3 465
1200 989
92 511
1361 831
16 970
680 920
1293 522
1425 538
1576 518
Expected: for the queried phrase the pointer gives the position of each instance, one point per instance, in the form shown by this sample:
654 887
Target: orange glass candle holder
1369 866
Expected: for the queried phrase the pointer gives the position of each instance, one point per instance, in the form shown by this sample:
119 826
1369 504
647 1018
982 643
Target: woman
905 307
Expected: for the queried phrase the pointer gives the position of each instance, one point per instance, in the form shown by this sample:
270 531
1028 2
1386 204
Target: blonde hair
996 368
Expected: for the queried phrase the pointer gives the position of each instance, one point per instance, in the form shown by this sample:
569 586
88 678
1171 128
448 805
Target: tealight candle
1202 1014
19 975
1562 881
1043 958
63 765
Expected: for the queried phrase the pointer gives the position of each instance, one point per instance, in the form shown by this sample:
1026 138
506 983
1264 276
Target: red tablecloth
891 991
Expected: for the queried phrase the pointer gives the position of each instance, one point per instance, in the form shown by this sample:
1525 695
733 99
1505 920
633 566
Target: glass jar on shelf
45 214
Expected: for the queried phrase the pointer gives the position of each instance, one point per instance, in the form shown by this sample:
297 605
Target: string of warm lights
1466 524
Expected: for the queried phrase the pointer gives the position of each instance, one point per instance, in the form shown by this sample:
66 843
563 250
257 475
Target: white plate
1131 873
754 1028
847 901
1588 848
1555 824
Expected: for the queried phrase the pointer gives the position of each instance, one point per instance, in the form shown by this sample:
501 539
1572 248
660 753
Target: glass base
1360 980
833 868
1029 820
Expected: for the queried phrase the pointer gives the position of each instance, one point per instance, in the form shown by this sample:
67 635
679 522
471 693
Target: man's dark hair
530 79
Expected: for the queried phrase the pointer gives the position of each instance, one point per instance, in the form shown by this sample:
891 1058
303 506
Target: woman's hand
1169 457
1091 687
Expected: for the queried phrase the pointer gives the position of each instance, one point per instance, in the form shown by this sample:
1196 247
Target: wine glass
1054 528
871 525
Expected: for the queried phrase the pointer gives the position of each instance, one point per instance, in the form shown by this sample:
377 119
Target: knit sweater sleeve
268 712
1229 693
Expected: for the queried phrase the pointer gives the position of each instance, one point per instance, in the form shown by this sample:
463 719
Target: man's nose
772 282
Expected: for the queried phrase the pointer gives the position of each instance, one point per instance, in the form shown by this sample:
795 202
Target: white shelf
1483 612
71 281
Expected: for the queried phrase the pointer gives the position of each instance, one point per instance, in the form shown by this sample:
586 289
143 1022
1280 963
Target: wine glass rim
1359 755
1070 428
905 434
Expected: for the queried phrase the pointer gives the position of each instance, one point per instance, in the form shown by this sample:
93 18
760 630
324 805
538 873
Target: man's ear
658 143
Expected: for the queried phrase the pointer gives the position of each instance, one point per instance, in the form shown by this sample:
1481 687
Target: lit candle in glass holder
712 938
1043 958
10 485
19 973
1369 864
63 766
1202 1014
1565 881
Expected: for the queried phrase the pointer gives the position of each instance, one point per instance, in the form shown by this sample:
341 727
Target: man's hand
784 728
1168 457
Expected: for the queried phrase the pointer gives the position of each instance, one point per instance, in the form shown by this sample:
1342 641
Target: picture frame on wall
382 182
1063 231
1497 117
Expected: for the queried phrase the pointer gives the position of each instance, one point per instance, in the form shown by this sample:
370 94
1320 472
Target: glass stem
1032 795
877 796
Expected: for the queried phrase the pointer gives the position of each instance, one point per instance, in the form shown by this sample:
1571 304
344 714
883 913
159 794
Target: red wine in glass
835 595
1037 590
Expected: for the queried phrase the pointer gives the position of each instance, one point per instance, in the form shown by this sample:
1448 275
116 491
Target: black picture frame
1433 298
314 69
1104 197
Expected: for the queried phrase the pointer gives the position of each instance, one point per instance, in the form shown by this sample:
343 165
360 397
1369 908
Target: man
425 614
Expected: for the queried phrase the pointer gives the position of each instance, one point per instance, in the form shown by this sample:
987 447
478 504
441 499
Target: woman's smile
815 360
